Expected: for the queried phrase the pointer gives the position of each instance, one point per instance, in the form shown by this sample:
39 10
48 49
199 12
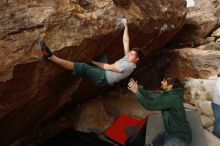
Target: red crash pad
123 128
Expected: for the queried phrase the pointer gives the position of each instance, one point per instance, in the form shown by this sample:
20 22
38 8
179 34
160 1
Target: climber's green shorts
94 73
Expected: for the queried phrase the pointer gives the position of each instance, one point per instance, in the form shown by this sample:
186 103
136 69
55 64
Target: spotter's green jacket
170 103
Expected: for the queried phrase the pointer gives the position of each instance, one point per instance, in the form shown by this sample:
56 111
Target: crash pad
155 126
123 128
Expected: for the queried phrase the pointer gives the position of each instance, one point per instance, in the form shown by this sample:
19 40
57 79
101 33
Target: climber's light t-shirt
125 69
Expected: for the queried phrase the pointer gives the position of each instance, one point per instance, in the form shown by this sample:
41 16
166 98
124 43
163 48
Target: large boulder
32 90
199 24
195 63
210 5
203 21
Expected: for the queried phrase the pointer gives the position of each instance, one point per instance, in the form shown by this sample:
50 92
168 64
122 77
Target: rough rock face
206 4
212 6
32 90
195 63
199 89
203 20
